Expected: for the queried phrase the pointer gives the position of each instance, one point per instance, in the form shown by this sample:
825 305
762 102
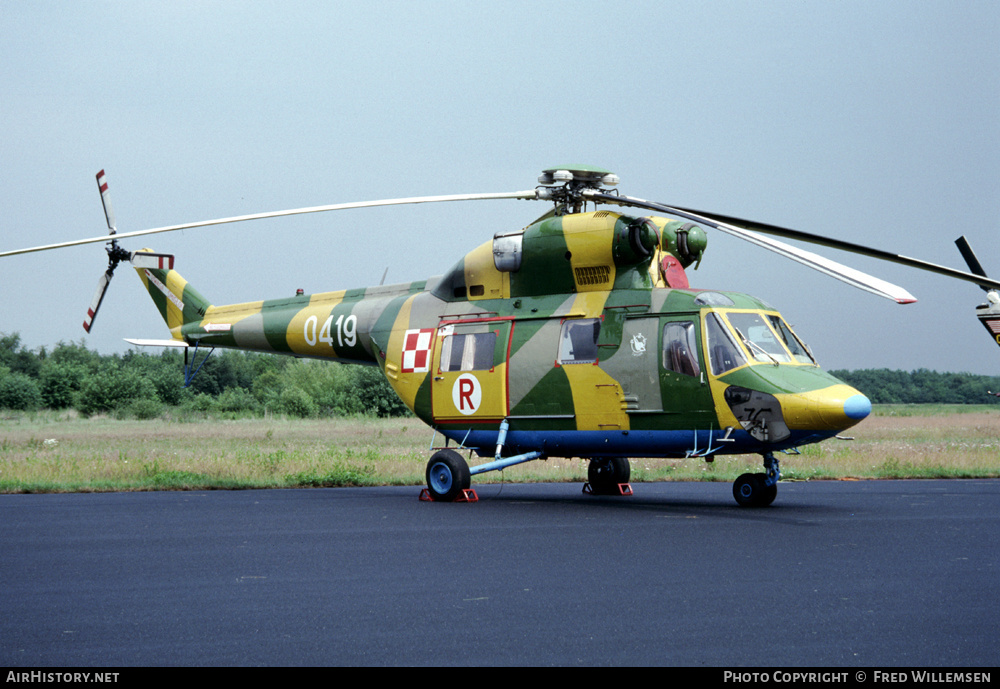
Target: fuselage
570 331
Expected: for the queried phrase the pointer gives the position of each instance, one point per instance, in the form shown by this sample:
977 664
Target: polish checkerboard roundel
417 350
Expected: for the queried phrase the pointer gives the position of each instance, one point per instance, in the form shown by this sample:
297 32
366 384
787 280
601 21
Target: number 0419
347 331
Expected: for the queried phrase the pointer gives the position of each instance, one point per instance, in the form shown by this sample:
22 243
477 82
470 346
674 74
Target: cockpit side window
680 348
723 354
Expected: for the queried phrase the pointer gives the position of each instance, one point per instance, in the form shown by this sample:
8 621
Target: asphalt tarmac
849 574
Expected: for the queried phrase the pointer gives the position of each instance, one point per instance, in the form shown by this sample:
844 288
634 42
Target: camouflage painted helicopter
576 336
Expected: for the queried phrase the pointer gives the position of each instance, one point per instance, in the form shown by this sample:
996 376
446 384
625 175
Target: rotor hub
566 185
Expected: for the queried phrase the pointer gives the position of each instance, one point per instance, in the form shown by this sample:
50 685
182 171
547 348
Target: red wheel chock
468 495
623 489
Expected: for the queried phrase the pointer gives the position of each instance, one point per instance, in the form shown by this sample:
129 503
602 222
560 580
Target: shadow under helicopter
655 498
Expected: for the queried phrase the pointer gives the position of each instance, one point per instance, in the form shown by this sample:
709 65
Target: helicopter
989 311
578 335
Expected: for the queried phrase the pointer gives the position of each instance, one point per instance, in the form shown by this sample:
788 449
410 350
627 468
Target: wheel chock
622 488
468 495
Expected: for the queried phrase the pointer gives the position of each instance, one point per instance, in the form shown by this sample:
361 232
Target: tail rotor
116 254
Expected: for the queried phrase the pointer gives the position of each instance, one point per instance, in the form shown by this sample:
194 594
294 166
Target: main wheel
447 475
605 473
750 491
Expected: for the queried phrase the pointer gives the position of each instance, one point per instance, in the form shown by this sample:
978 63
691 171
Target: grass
62 452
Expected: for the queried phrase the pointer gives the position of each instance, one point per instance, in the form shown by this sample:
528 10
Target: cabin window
723 353
468 352
680 348
578 341
758 338
799 351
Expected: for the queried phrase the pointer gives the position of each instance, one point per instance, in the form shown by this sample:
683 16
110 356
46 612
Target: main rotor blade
529 194
981 280
970 258
853 277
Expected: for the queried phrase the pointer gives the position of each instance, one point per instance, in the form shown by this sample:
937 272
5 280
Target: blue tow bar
497 464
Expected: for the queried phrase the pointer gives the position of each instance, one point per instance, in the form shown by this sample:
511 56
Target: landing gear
758 490
750 491
447 476
606 474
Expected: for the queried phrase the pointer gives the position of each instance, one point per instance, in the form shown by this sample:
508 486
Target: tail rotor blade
95 303
109 212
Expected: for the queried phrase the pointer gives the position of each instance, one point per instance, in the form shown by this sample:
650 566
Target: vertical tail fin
179 303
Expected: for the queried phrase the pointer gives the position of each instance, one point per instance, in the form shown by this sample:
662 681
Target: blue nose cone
857 407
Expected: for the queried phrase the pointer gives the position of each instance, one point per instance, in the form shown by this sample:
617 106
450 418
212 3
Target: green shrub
60 382
113 387
295 401
141 408
18 391
237 401
375 395
197 402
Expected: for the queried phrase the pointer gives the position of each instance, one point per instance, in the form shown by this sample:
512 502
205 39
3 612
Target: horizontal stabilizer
157 343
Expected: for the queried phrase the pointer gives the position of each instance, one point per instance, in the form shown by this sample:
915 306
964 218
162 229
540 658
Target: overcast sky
874 122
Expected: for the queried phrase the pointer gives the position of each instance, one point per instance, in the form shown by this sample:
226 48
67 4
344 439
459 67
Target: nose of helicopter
857 407
834 408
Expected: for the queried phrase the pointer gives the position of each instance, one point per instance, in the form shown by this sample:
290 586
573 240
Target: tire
447 475
767 493
750 491
605 473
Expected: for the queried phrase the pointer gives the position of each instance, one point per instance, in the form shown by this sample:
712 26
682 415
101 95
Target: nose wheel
758 490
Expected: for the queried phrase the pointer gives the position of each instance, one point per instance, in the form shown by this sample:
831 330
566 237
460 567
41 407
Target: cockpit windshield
758 338
799 351
765 337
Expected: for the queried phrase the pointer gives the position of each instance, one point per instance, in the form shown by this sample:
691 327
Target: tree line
884 386
143 385
230 383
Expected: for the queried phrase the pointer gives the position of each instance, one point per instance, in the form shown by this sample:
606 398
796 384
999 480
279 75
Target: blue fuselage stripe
626 443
